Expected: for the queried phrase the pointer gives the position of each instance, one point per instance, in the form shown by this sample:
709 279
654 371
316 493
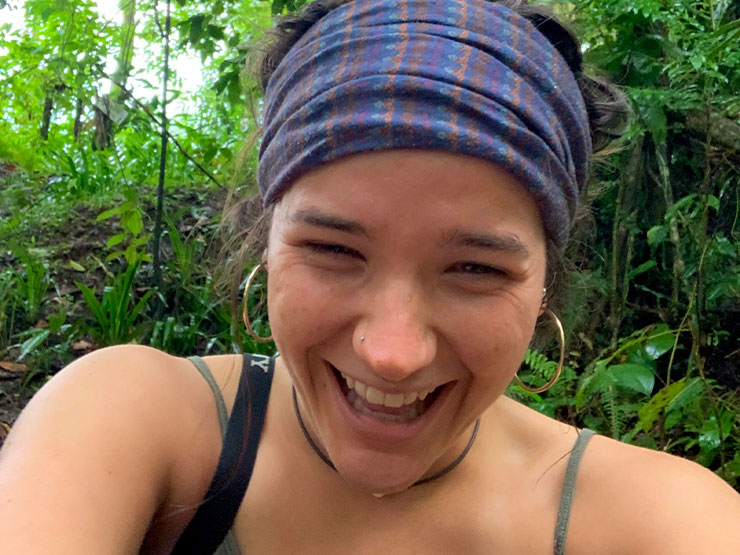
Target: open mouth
386 407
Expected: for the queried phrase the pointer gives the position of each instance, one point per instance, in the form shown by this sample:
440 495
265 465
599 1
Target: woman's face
396 276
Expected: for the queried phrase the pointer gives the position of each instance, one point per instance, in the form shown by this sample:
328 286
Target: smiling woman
420 170
419 280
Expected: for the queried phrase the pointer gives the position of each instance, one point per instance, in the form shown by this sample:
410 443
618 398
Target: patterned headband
465 76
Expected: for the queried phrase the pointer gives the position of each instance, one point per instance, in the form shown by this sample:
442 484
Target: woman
420 168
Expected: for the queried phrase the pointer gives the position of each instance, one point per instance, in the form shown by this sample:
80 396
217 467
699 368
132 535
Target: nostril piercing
362 338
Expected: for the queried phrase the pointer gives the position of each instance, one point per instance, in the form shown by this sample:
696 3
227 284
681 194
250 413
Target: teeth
360 388
377 397
374 396
394 400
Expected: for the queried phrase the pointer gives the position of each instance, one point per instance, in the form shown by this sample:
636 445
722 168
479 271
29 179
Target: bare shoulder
93 457
642 501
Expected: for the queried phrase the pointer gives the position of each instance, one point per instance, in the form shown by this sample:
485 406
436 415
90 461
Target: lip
369 428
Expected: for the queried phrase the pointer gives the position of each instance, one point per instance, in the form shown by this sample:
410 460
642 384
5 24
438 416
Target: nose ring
362 339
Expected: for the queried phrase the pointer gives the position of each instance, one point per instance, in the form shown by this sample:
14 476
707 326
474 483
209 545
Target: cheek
302 310
496 341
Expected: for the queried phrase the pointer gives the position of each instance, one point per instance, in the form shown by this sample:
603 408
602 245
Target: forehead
416 190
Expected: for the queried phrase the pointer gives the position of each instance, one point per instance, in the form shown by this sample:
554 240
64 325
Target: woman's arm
90 460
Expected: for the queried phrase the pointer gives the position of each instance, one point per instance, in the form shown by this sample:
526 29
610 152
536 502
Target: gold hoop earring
556 374
245 302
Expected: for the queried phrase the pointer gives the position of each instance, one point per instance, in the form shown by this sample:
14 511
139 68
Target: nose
394 336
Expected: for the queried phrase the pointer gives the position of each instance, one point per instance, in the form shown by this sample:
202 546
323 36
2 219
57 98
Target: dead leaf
13 366
41 324
81 345
4 430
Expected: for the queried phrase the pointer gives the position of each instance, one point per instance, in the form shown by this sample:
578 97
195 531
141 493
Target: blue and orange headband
465 76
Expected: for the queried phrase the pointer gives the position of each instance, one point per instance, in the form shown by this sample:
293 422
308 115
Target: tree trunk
622 230
78 119
156 261
717 130
126 52
46 118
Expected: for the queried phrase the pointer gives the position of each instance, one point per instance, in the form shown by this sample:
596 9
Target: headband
465 76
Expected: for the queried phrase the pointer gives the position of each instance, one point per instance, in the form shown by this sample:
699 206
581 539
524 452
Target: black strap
215 515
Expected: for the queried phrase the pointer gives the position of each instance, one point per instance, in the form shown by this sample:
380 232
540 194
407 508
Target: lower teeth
358 404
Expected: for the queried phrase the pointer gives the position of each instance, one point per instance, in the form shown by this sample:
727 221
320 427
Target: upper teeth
377 397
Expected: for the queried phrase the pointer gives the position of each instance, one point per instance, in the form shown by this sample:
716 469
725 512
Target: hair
607 107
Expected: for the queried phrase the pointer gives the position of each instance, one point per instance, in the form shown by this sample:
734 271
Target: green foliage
118 309
132 237
32 283
9 303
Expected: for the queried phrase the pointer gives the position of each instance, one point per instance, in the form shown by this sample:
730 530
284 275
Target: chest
296 511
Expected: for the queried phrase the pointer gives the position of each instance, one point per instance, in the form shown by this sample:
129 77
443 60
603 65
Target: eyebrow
484 241
314 217
499 243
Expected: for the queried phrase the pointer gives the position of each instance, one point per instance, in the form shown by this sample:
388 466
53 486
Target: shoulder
105 446
650 502
125 381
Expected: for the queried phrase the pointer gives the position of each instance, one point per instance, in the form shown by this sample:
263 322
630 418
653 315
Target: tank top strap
566 499
209 529
223 415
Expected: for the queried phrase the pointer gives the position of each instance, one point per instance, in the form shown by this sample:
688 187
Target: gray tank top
230 547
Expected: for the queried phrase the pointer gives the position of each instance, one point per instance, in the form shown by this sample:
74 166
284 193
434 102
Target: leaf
656 235
32 342
180 3
134 223
196 28
697 61
76 266
655 120
634 376
687 395
660 342
13 366
81 345
109 213
116 240
649 412
56 321
642 268
216 32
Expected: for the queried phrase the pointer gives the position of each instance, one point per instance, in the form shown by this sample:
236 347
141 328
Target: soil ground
81 240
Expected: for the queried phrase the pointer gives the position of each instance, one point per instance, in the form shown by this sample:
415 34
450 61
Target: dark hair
607 107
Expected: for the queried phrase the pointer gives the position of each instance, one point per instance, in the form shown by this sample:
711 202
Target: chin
379 473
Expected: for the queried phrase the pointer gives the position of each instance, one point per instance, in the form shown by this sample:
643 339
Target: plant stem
162 156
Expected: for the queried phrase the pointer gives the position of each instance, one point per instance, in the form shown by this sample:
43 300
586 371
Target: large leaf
660 342
634 377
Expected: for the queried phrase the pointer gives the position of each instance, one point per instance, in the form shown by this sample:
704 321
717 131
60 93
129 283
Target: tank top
210 529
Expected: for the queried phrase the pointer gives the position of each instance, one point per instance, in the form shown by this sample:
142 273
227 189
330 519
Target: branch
721 131
156 120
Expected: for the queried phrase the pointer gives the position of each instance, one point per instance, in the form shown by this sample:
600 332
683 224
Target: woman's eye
475 269
332 249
